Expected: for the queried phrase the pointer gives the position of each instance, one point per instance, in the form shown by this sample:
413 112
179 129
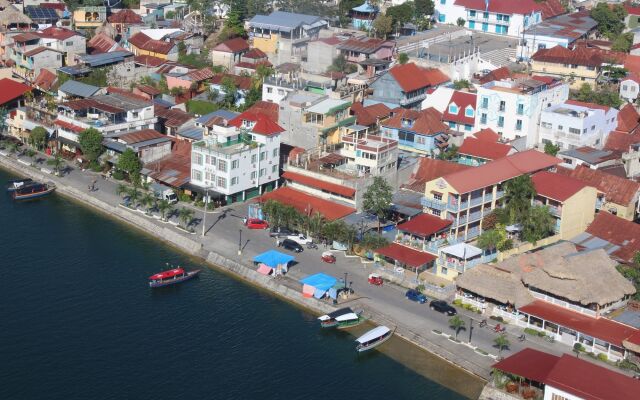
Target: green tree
38 137
230 90
383 26
134 196
340 64
186 217
164 207
371 241
636 258
538 224
450 153
344 9
460 21
314 224
456 323
129 162
518 195
401 14
377 198
490 239
148 201
501 343
91 144
610 19
551 149
423 8
403 58
623 42
56 162
334 230
177 91
122 190
461 84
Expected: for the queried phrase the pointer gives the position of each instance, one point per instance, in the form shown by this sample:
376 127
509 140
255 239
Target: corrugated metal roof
79 89
283 21
96 60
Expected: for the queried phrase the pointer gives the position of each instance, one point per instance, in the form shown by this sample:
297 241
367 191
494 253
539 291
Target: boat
374 338
15 184
171 277
330 320
33 191
350 320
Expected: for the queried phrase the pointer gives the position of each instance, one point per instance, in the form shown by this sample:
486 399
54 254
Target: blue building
363 15
417 131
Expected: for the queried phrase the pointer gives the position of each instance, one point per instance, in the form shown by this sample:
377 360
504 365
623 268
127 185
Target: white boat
330 320
373 338
350 320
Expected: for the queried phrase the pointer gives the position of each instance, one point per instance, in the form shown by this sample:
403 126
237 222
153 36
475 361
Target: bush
420 288
484 353
118 175
603 357
457 302
30 153
533 332
499 319
626 364
184 197
578 347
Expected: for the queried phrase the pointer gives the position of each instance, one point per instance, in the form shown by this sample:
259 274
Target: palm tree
56 162
314 223
456 323
186 217
148 201
164 207
122 190
134 196
501 343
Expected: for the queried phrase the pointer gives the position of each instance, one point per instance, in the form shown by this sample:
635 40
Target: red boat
172 276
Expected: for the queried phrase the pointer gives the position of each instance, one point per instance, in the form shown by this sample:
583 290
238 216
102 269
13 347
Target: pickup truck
300 239
162 192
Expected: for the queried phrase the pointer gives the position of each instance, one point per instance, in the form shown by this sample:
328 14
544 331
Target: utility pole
470 328
240 242
204 215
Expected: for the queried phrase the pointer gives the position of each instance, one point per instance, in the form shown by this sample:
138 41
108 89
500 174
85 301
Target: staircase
499 57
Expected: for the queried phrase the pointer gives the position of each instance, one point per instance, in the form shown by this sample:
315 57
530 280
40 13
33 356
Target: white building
238 159
498 16
369 154
630 87
575 124
512 107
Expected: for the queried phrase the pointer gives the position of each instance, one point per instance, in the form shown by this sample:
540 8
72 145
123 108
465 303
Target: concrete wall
578 212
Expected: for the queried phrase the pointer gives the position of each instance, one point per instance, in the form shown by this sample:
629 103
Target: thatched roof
9 14
581 277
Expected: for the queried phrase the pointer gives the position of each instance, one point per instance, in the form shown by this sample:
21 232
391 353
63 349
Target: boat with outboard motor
342 318
16 184
374 338
171 277
33 191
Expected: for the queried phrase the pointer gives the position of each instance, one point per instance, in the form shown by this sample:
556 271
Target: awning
319 281
273 258
462 251
406 255
264 269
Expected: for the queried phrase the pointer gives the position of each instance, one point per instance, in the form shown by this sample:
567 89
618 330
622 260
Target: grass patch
437 332
480 351
201 107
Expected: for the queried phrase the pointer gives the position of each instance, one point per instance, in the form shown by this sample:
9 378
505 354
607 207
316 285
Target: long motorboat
330 321
171 277
350 320
33 191
16 184
374 338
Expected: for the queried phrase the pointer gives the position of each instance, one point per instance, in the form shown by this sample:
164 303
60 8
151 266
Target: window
275 152
485 15
501 121
485 27
453 109
254 158
213 161
519 125
485 102
468 128
437 196
234 180
483 118
468 112
560 127
546 125
263 155
520 109
443 2
253 175
436 212
624 87
441 18
69 43
221 182
558 397
222 165
235 164
196 158
196 175
593 127
503 105
472 13
207 159
269 90
574 131
472 24
452 125
58 57
263 171
274 168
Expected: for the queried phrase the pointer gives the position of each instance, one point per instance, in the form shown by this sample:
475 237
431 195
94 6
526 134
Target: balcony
488 197
410 100
434 245
476 201
499 194
473 232
474 216
557 211
432 203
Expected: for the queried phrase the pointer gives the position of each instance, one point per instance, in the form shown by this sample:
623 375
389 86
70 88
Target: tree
377 198
538 224
128 162
501 343
449 154
340 64
38 137
456 323
623 42
403 58
636 258
461 84
230 90
551 149
56 162
490 239
423 8
610 19
401 14
518 195
460 21
383 26
164 207
334 230
134 196
186 217
344 8
91 144
122 190
148 201
176 91
603 97
372 241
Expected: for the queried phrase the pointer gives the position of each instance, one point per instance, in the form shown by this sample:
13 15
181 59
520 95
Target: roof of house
500 170
285 21
308 204
148 61
628 118
426 122
199 75
125 16
235 45
319 184
487 134
406 255
462 100
364 44
424 225
11 15
25 37
242 82
144 42
174 169
410 77
590 155
150 90
54 32
68 126
483 147
428 169
568 373
39 50
497 74
586 104
501 6
263 124
616 189
255 54
369 115
622 236
556 186
102 43
10 90
45 79
586 56
78 89
271 110
141 136
173 117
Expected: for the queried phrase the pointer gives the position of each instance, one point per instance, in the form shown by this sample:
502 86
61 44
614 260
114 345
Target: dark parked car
291 245
280 232
415 295
441 306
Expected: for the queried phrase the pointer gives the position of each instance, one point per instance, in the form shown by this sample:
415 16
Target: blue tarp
320 281
273 258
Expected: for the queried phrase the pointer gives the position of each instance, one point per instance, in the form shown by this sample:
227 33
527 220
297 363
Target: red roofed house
571 202
563 377
372 115
418 131
229 53
102 43
123 19
237 159
12 93
250 61
619 237
482 147
142 45
406 85
460 113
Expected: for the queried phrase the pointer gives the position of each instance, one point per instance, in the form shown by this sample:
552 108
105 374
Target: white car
300 239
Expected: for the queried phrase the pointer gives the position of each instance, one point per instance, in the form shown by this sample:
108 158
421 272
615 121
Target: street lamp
240 242
206 206
470 328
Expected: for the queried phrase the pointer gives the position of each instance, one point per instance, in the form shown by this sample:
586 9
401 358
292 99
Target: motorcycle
483 323
499 329
522 338
312 245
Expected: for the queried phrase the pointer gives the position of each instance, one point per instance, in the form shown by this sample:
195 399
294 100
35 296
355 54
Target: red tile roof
406 255
172 117
426 122
485 149
551 8
201 74
632 63
45 79
369 115
11 90
125 16
235 45
462 100
144 42
263 124
496 75
500 170
585 56
621 141
255 54
556 186
601 328
315 183
628 119
487 134
429 169
58 33
149 61
410 77
271 110
68 126
101 43
25 37
424 225
619 232
140 136
616 189
150 90
39 50
568 373
308 204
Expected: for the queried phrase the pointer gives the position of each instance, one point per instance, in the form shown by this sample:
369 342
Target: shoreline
283 289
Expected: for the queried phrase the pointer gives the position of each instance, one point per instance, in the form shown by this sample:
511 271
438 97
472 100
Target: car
416 296
441 306
254 223
291 245
280 232
300 239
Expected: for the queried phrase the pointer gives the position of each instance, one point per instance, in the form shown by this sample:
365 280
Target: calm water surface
79 322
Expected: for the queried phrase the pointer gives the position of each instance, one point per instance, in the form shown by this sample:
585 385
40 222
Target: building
482 147
142 45
428 169
33 61
562 377
69 42
417 131
362 17
575 124
89 17
466 197
630 87
617 236
177 123
284 36
371 116
42 15
102 43
368 154
122 19
238 159
405 86
251 61
605 160
148 144
512 108
618 196
328 116
559 291
460 113
229 52
77 90
320 54
571 202
358 49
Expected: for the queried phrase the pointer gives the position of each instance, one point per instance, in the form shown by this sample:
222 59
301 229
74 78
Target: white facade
551 393
275 92
569 126
370 154
629 89
533 42
512 108
230 165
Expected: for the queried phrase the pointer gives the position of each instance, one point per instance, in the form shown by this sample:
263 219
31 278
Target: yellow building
329 115
571 202
142 45
89 17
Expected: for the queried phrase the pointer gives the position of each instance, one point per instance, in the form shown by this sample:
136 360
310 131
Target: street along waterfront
81 322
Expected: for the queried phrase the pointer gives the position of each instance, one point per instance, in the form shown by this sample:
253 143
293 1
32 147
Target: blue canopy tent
322 283
273 258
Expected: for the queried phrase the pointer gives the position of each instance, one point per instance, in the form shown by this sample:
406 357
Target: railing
432 203
473 232
474 216
476 200
557 211
499 194
488 197
434 245
452 207
563 304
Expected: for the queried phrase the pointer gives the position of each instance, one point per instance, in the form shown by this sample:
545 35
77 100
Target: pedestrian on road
278 242
244 220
